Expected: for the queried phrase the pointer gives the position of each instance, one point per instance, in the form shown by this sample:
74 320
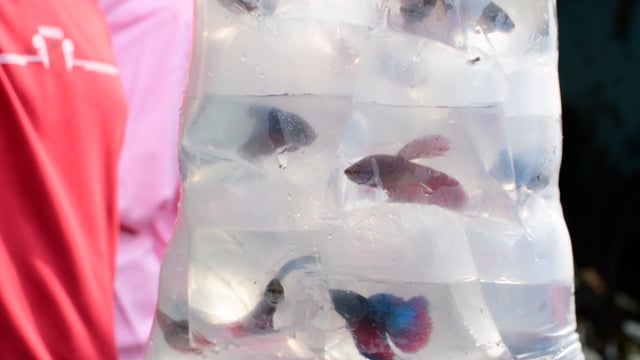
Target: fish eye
277 291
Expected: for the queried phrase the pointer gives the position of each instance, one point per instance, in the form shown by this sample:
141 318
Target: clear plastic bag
370 179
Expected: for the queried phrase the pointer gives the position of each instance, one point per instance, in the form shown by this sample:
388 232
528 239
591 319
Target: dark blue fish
413 11
376 321
266 7
239 6
276 130
494 18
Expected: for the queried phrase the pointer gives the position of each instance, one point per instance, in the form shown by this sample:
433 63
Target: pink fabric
152 44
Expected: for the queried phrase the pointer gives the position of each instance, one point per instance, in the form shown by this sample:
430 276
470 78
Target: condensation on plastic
451 107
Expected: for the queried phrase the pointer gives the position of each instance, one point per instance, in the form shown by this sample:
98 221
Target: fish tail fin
296 264
425 147
409 325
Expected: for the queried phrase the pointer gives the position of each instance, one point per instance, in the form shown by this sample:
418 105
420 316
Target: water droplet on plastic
458 41
243 58
283 160
330 236
289 196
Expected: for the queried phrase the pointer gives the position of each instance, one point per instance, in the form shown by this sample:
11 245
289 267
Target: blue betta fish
416 10
383 318
532 168
494 18
276 131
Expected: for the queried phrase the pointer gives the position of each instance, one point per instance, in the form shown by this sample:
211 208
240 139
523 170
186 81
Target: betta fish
276 130
259 320
176 334
531 168
415 10
407 182
494 18
376 321
239 6
266 7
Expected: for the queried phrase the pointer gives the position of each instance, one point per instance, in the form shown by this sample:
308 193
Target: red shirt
62 113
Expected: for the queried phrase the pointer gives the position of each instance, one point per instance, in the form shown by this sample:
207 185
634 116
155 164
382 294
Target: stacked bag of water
370 179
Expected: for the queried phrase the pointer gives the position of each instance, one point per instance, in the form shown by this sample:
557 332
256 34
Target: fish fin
408 324
236 330
414 193
200 340
454 198
386 355
178 335
172 327
295 129
296 264
425 147
274 130
371 341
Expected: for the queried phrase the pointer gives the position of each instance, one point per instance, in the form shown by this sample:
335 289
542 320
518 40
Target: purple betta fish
381 318
408 182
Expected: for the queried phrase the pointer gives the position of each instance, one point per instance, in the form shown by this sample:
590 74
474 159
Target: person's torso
62 113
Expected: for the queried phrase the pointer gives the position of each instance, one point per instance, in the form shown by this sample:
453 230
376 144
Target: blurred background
600 175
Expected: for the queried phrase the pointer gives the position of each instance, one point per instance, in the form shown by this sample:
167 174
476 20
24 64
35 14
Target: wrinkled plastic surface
370 179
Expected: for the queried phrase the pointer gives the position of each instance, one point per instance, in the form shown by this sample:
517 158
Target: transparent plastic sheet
370 179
